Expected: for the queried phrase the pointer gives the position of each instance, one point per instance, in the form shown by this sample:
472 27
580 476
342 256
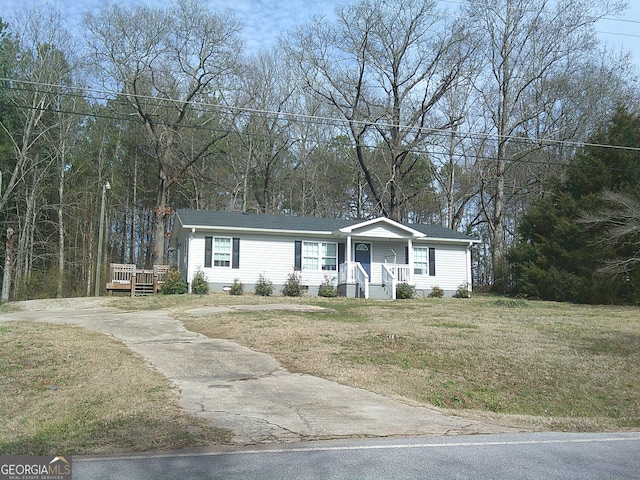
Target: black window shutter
208 251
342 247
432 262
406 255
297 262
235 263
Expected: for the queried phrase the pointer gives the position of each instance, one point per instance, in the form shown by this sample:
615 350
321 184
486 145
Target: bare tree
383 66
267 91
530 47
161 64
620 222
44 62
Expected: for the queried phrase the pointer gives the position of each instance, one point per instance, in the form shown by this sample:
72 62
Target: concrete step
377 292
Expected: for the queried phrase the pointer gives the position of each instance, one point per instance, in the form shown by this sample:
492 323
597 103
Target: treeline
470 117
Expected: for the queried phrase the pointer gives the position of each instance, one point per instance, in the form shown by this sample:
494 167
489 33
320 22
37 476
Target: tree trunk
8 264
159 225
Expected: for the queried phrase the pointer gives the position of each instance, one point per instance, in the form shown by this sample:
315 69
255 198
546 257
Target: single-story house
363 258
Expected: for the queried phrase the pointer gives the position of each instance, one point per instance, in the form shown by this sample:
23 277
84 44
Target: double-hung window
319 256
424 261
309 255
221 252
329 256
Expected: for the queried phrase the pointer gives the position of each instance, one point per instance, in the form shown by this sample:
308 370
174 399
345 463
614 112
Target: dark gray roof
252 220
438 231
205 218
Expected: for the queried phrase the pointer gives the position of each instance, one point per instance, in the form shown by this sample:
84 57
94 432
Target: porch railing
402 273
353 272
389 282
392 274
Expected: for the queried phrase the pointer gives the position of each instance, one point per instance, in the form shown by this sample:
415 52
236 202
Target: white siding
182 252
451 268
383 252
273 256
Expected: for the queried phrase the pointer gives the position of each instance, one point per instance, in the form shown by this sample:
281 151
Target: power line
107 95
621 34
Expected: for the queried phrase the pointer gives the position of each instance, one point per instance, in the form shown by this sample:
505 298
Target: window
309 255
420 261
424 261
221 252
319 256
330 256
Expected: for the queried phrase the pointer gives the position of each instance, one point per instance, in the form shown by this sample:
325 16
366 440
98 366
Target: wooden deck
126 277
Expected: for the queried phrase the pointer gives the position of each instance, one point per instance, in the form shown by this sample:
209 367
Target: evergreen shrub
199 284
264 287
174 283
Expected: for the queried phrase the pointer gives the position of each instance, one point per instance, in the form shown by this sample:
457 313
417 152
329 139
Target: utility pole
105 187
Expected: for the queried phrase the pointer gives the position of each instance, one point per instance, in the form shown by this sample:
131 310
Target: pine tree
566 240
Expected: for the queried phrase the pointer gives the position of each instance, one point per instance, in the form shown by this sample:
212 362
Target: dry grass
533 364
547 365
68 390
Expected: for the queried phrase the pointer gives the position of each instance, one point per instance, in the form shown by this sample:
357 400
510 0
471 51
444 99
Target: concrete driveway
243 390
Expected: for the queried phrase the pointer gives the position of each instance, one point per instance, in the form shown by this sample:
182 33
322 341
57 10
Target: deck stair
124 277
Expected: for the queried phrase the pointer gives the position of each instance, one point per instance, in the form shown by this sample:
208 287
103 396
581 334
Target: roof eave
450 240
257 230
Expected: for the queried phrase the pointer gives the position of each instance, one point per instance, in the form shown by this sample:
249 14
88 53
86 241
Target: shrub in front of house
327 289
237 288
292 287
264 286
174 283
436 292
405 291
199 284
463 291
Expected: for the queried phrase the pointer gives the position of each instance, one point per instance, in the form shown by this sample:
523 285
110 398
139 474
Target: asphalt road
560 456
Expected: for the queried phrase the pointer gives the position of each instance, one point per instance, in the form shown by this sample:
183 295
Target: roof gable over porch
380 228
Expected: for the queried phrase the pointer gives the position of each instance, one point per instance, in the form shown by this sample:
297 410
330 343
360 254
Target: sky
266 20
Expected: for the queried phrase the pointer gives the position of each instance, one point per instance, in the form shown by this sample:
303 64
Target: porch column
410 259
348 259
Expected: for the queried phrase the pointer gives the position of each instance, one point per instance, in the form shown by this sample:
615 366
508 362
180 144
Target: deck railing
121 273
127 277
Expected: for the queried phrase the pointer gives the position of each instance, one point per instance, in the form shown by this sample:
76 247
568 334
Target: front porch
354 280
